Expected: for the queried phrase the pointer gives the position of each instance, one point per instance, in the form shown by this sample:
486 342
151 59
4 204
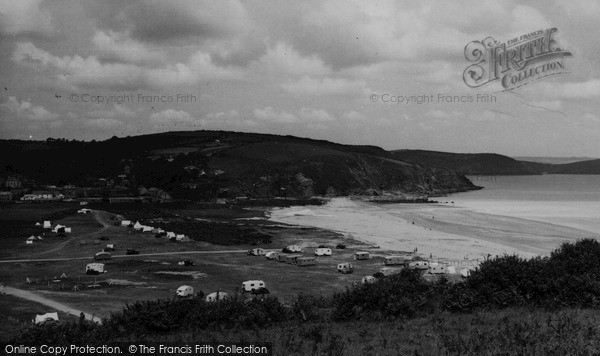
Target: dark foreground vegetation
509 305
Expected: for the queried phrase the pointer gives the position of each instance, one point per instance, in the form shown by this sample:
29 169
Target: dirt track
48 302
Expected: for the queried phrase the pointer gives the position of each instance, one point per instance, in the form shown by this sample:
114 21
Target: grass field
147 276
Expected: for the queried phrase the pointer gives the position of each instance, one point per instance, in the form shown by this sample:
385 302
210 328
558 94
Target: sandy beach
441 230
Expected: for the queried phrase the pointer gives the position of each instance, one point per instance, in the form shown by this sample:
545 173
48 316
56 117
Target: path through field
48 302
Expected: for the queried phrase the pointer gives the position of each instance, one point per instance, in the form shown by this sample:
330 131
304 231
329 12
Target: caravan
94 268
345 268
361 255
306 261
396 260
255 287
322 251
185 291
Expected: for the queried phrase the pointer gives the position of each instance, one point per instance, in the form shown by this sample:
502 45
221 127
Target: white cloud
24 16
326 86
283 58
172 117
90 72
574 90
120 46
117 111
315 115
103 123
271 115
354 116
25 109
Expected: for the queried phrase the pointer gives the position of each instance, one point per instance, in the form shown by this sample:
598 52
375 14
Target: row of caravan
251 286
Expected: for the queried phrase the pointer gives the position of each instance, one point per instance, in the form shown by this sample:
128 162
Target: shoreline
437 230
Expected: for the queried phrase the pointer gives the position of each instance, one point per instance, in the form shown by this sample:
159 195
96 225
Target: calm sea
569 200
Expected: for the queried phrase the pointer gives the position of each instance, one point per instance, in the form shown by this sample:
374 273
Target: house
46 318
321 251
368 279
12 182
95 268
253 285
438 269
125 222
271 255
420 265
306 261
216 296
396 260
361 255
256 252
101 256
185 291
345 267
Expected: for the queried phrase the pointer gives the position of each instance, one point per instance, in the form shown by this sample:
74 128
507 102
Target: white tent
47 225
125 222
29 242
171 234
451 270
67 230
57 227
180 237
147 228
46 317
39 238
465 272
138 226
38 224
31 237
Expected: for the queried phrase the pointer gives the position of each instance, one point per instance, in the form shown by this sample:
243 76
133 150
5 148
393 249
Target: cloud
313 115
326 86
573 90
90 72
117 46
117 111
271 115
172 117
354 116
24 16
25 109
103 124
285 59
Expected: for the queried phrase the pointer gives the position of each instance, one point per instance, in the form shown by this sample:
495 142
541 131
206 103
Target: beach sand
443 231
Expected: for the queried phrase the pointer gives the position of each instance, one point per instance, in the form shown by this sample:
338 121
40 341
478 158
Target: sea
561 199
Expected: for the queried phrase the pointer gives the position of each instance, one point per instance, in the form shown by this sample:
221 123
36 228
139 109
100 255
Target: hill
210 164
493 164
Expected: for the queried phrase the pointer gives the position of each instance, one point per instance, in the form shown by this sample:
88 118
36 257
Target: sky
353 72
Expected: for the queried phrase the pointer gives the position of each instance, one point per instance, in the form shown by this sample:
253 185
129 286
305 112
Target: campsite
55 267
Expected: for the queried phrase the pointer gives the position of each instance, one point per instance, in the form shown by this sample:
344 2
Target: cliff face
206 164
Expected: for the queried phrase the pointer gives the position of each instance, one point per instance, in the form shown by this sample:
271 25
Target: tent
59 228
451 270
29 242
39 238
39 319
171 234
47 225
180 237
147 229
138 226
67 230
38 224
125 222
31 237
